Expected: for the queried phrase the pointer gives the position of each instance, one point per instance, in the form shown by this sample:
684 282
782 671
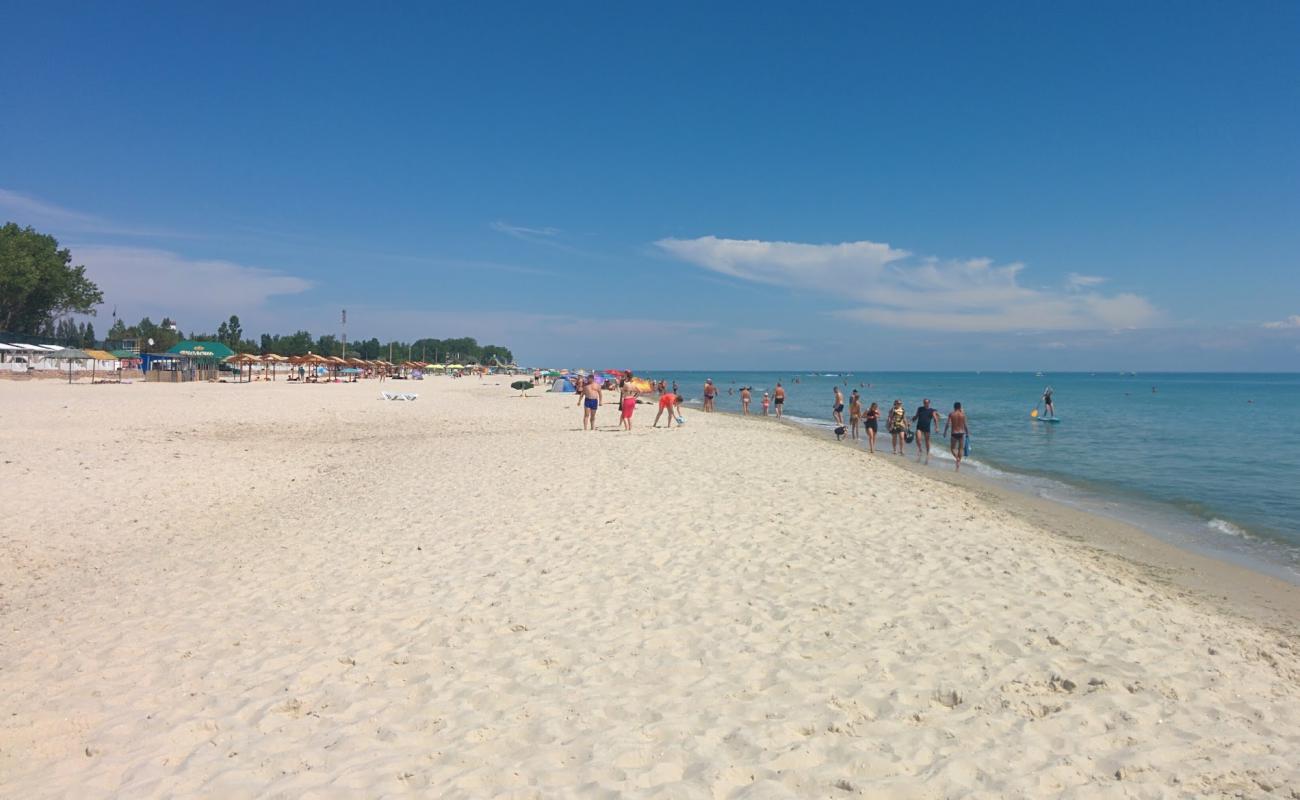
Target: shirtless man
667 402
710 392
590 398
957 422
744 400
837 410
923 417
778 398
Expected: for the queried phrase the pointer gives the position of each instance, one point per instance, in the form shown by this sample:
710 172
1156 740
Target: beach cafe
187 361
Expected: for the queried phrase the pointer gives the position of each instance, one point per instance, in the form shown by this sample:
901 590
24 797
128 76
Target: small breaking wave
1223 526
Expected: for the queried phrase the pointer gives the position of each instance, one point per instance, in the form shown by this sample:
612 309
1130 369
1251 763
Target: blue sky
1026 186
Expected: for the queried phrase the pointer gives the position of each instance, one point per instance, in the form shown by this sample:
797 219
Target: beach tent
562 385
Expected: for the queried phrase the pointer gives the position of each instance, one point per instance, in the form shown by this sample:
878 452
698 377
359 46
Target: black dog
839 433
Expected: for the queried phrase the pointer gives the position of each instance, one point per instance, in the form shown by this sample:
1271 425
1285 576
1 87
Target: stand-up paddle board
1048 419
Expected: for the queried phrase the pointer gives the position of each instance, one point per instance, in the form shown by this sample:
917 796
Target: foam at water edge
1223 526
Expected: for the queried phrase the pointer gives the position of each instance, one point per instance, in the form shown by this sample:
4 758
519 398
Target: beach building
189 360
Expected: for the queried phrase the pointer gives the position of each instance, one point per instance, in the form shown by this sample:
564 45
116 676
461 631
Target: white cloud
1292 321
141 280
1076 281
898 290
26 210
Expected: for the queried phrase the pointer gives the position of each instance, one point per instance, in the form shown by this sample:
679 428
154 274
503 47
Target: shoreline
285 590
1223 583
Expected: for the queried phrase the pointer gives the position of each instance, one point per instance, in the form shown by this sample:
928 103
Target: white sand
303 591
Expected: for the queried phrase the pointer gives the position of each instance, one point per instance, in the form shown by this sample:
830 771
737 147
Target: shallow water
1209 461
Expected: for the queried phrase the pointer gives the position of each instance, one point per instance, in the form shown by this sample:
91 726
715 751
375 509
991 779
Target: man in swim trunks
923 417
744 400
591 399
710 393
667 402
837 410
957 422
778 398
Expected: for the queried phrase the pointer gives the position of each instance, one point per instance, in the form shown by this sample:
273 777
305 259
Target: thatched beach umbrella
70 354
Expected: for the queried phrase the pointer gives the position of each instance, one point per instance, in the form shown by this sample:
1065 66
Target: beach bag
909 437
965 445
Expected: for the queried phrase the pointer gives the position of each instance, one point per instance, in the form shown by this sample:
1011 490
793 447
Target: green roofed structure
192 349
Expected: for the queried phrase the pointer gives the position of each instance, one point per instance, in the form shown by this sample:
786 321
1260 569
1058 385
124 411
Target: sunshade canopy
195 349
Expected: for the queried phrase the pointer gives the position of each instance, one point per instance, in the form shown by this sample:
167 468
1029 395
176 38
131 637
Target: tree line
40 288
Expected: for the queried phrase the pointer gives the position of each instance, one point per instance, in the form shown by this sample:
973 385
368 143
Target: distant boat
1038 374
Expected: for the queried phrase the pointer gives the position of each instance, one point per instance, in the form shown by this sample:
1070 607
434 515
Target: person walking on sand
590 398
710 392
744 400
957 444
871 421
897 427
667 402
837 410
778 398
855 413
767 401
923 417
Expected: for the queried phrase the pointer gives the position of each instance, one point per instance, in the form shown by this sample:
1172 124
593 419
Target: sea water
1206 461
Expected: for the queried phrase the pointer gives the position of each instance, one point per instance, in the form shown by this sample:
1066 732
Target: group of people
866 418
899 424
591 397
776 398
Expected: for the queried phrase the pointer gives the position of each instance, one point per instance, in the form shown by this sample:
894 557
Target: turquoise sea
1203 460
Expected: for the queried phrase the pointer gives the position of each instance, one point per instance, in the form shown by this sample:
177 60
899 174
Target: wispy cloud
1290 322
196 291
523 232
896 289
27 210
1076 281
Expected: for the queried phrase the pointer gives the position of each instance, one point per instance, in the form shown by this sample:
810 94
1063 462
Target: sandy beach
275 590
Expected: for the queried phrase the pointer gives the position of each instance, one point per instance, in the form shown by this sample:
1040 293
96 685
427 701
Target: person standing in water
957 422
767 401
871 421
1047 402
744 400
837 410
778 398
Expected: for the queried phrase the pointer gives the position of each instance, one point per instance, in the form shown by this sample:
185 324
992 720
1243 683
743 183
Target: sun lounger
399 395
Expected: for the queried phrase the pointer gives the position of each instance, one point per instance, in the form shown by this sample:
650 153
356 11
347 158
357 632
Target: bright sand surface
304 591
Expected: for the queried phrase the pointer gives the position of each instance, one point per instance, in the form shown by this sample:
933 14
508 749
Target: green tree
38 281
88 337
234 331
118 331
500 353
